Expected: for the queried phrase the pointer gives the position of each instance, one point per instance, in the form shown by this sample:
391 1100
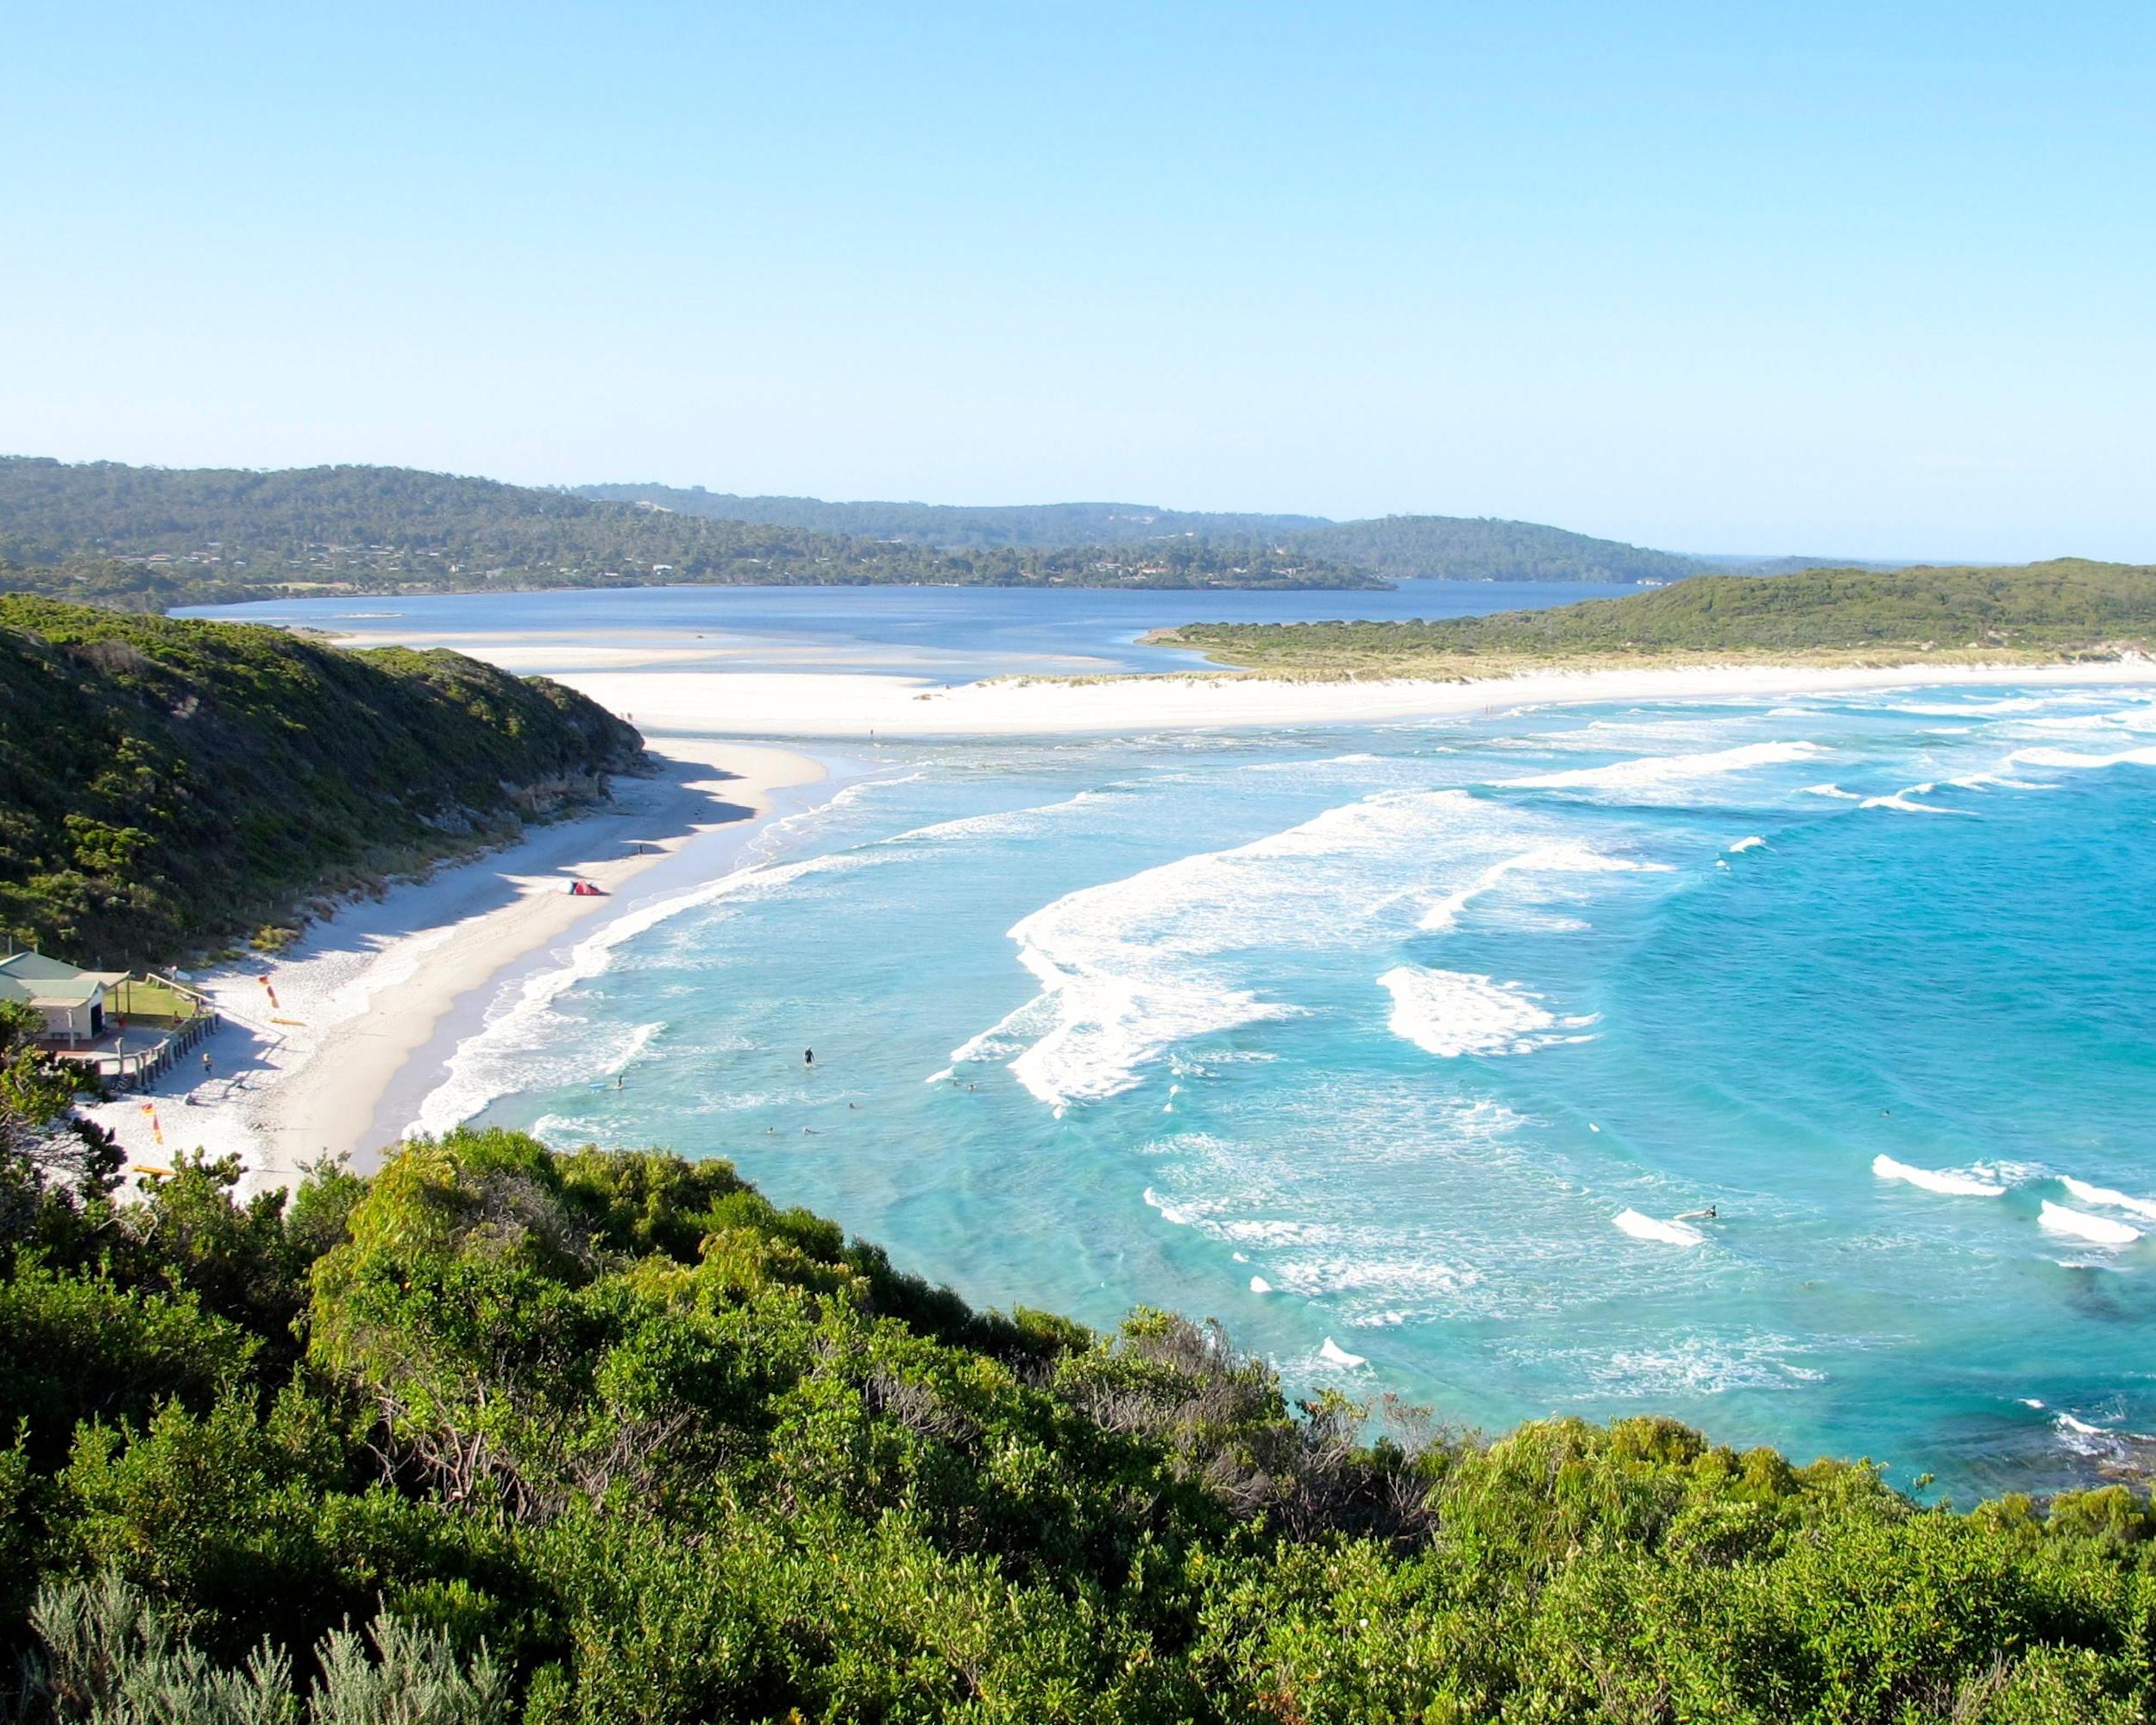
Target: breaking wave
1650 772
2070 758
1128 970
1903 801
1448 1013
1564 858
1653 1227
1951 1184
2057 1219
2105 1199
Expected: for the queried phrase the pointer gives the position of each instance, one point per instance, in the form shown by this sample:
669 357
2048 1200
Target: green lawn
142 1002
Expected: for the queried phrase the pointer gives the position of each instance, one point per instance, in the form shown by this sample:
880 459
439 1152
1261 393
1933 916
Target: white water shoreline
314 1039
371 1001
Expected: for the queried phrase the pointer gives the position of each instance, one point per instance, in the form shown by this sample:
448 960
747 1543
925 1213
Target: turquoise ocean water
1401 1049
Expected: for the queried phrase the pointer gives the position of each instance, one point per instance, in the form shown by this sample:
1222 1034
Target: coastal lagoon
1411 1051
961 632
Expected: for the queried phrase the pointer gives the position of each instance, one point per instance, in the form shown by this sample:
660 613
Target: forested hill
146 539
67 529
1461 548
1396 547
2067 608
1050 526
163 784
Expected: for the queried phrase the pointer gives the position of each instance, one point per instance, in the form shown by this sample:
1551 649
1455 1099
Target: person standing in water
809 1057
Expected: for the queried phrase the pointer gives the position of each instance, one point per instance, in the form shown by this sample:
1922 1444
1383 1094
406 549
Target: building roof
52 985
39 967
24 966
54 991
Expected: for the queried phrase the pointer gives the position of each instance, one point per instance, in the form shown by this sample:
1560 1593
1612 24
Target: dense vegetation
1396 547
609 1437
164 782
144 538
64 529
2048 610
1048 526
1459 548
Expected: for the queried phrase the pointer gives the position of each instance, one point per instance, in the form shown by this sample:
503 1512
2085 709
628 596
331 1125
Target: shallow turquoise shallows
1412 1053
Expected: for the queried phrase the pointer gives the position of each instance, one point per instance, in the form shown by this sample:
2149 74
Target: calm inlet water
968 631
1407 1050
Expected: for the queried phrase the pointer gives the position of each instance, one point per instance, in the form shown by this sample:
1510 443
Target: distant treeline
1397 547
150 538
73 531
2050 610
163 784
1040 525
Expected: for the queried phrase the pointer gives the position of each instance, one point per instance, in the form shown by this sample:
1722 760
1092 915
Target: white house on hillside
71 1001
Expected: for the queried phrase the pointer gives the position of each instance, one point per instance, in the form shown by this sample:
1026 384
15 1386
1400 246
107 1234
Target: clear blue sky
1816 278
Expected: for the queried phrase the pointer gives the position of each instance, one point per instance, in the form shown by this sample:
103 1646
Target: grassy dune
2040 613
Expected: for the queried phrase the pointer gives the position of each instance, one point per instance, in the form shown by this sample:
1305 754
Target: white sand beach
753 704
313 1038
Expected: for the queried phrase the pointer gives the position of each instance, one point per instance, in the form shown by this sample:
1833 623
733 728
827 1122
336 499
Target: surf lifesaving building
71 1001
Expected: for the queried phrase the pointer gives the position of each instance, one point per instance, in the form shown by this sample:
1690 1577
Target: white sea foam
1751 844
2070 758
1369 1266
1976 707
1997 781
2105 1199
1649 772
996 823
1702 1365
1653 1227
1260 1285
1833 791
2057 1219
1304 766
1903 801
1093 1028
1448 1013
1949 1183
1128 970
1562 857
2104 1443
1333 1354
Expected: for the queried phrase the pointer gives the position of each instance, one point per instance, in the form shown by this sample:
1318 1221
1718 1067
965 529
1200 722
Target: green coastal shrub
608 1436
